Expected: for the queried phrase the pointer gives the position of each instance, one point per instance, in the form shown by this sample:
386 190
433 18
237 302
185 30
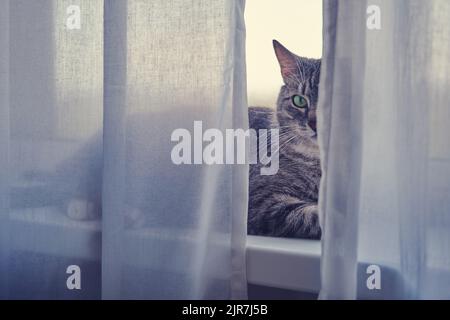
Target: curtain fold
384 114
4 144
87 120
180 228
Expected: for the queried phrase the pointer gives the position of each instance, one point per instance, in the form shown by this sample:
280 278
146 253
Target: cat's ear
288 61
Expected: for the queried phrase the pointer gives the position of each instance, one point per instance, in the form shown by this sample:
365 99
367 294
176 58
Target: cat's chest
303 173
300 165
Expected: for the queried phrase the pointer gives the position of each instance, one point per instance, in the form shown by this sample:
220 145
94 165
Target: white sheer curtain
51 107
4 140
385 123
86 117
167 64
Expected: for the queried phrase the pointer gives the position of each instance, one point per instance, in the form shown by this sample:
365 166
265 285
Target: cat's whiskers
282 146
281 135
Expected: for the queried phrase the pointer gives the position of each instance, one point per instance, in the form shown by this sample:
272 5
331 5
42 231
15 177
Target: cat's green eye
299 101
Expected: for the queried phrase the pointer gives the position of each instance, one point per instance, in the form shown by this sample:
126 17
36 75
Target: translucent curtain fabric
168 64
4 141
86 118
51 109
385 120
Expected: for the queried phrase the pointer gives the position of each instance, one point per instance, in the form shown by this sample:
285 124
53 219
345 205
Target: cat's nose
312 120
312 123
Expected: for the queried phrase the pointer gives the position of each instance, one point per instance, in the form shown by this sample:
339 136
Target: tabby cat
285 204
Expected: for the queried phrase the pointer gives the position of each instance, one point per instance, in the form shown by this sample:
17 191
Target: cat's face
297 101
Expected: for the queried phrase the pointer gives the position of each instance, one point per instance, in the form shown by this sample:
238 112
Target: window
72 141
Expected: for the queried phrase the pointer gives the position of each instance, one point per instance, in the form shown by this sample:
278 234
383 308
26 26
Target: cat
285 204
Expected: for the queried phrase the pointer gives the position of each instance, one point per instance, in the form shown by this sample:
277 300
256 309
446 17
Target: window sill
292 264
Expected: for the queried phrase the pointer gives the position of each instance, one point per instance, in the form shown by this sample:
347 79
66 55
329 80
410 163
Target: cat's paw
81 209
303 223
134 218
311 227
